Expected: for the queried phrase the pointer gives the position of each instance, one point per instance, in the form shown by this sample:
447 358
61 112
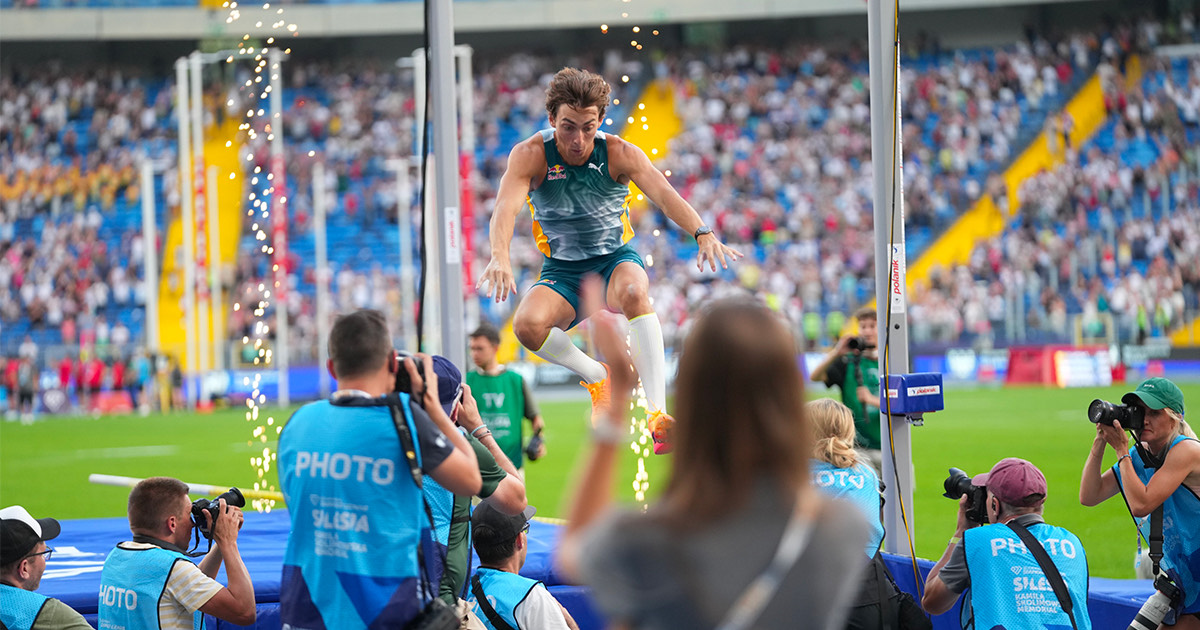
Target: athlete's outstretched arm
631 161
523 163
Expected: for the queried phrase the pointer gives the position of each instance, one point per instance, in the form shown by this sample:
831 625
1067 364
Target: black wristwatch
701 231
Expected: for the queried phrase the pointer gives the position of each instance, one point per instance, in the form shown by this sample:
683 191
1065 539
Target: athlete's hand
498 276
712 250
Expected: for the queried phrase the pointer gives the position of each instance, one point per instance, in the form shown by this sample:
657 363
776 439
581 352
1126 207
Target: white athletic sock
649 357
558 349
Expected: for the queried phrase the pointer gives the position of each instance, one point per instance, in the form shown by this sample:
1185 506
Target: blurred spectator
737 488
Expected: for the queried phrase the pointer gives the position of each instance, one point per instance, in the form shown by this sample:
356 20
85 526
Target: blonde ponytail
832 425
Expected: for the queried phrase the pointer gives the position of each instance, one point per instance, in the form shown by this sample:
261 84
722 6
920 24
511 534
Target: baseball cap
490 526
449 381
1014 481
1156 393
20 533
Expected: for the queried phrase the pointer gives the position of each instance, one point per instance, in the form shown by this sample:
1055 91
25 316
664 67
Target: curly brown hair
579 89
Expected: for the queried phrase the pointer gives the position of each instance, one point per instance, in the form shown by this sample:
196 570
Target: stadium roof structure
91 21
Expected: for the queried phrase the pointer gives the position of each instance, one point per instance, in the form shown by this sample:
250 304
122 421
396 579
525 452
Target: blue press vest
1181 532
504 591
441 507
1008 588
858 485
579 212
357 518
132 582
19 608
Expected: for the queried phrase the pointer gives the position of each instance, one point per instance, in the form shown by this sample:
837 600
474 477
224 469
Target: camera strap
158 542
493 617
409 448
754 599
1156 538
1048 569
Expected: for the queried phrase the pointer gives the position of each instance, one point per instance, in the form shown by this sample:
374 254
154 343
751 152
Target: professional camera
1132 417
959 484
403 380
232 497
857 344
1166 596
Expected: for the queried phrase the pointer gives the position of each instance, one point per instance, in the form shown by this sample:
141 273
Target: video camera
959 484
232 497
1131 417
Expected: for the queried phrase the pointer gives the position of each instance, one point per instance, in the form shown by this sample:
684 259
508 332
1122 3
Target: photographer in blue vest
150 583
499 596
1001 562
23 557
502 486
351 469
1159 477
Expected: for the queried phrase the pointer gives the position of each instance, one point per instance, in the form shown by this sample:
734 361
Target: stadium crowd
774 152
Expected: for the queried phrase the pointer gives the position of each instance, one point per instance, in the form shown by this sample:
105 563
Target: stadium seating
774 153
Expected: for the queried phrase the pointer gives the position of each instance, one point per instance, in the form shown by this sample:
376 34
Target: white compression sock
558 349
649 357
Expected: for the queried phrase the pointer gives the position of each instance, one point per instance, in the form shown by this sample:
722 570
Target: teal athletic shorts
565 277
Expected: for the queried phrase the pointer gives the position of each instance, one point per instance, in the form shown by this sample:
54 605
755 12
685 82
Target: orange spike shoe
601 400
662 427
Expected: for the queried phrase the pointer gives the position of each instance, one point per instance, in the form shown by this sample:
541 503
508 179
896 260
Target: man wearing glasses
23 557
498 595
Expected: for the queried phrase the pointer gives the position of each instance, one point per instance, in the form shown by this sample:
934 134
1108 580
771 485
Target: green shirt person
504 397
853 366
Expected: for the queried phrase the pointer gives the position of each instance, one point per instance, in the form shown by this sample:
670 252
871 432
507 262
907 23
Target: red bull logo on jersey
556 172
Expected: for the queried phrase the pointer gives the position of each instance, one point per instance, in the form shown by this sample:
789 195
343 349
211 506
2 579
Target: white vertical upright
466 118
890 263
216 302
466 97
149 255
203 345
323 276
187 199
419 99
448 218
279 224
404 226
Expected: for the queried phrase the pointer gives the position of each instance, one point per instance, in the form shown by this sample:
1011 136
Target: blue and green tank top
579 212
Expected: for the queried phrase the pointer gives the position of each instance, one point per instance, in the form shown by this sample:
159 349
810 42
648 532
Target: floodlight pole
890 264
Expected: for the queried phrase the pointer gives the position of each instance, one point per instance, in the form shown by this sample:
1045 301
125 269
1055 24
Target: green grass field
45 466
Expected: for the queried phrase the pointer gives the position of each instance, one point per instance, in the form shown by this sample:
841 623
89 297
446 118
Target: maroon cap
1015 482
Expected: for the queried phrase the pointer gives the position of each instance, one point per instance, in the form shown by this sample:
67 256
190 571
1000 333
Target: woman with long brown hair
739 537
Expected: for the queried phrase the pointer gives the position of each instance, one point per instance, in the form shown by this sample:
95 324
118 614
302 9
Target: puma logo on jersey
599 167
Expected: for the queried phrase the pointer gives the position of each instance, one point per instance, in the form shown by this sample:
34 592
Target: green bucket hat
1156 393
